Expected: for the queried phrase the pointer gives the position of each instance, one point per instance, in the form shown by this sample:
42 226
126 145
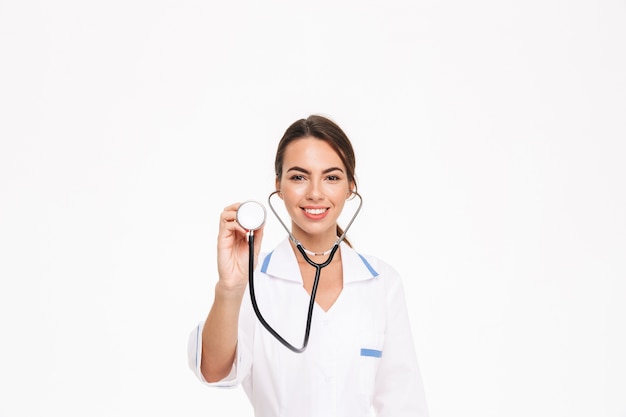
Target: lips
315 213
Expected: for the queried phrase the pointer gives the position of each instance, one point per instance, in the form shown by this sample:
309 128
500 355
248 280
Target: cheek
290 196
292 191
342 194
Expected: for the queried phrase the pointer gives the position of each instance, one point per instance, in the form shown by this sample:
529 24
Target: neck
311 253
314 252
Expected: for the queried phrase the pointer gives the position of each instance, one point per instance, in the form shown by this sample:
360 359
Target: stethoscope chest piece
251 215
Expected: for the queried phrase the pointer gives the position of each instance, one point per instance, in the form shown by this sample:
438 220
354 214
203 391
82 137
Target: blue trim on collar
266 262
367 264
268 257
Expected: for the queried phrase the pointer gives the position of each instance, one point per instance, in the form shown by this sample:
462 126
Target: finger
230 227
228 220
229 213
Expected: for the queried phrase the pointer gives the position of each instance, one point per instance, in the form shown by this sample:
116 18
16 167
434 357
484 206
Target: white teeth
315 211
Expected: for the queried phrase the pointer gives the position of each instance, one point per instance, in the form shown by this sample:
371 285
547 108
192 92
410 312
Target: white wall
490 144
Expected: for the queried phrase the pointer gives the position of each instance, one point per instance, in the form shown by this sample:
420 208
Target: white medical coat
360 354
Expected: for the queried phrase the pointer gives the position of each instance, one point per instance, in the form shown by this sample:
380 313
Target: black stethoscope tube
318 269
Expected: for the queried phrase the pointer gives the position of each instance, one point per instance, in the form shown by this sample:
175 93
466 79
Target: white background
490 144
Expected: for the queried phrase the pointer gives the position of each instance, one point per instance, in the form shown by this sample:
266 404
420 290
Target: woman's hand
232 250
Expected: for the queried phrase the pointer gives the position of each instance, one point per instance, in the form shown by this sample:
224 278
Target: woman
360 355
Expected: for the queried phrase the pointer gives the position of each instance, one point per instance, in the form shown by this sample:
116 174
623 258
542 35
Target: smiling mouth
315 212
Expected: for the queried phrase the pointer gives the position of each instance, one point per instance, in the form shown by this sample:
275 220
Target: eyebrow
306 171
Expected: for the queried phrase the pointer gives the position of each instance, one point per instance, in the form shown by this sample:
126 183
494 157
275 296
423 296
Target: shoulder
379 267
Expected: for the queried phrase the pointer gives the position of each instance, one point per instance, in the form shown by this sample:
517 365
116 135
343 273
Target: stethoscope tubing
318 270
309 321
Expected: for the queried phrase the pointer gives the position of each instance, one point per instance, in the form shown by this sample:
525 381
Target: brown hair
321 128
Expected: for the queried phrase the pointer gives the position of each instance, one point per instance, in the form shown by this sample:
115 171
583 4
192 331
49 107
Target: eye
297 178
333 178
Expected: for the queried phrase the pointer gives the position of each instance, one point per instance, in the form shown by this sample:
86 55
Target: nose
314 191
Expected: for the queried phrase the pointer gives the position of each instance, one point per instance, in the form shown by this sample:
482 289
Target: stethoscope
251 216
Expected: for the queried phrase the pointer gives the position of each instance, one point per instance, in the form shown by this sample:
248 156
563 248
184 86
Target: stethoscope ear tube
294 240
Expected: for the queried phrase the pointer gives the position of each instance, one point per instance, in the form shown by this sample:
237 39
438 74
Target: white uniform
360 354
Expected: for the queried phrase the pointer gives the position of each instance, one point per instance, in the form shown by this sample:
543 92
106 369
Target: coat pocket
370 353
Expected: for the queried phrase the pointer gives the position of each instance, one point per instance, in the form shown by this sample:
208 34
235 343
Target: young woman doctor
360 357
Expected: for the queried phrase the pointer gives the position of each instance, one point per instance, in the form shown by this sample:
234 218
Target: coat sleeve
194 356
399 390
243 357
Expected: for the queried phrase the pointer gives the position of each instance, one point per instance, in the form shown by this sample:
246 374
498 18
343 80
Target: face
314 187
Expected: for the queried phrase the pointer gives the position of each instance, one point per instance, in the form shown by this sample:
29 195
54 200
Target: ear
351 190
277 185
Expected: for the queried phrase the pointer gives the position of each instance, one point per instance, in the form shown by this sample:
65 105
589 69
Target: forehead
311 151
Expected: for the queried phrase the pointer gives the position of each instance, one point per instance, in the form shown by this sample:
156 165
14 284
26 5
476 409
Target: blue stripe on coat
371 352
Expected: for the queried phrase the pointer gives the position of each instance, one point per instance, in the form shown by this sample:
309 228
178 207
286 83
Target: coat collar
282 263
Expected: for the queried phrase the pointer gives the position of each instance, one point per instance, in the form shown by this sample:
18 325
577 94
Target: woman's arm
399 388
220 331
